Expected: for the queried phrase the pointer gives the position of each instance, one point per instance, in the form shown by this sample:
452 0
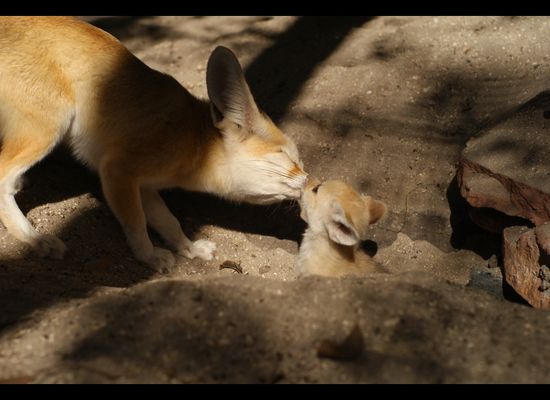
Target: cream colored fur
62 79
338 219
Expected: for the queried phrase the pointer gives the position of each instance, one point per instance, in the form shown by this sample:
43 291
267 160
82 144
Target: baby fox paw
161 259
203 249
48 246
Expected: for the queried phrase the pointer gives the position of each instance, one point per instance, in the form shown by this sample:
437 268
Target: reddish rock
483 191
543 236
521 266
507 166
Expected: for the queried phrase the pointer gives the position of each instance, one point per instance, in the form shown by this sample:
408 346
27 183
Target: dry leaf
232 265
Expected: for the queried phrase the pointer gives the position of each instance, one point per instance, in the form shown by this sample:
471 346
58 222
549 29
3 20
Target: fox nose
305 178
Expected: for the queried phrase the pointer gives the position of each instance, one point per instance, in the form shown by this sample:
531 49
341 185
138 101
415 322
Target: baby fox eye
316 188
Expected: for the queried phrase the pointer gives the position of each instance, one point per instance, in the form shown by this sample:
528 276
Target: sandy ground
385 103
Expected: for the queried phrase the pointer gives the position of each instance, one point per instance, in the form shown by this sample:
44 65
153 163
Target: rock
542 233
485 191
521 266
494 221
544 275
507 168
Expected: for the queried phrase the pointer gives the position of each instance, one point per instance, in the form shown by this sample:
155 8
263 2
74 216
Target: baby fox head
264 164
333 208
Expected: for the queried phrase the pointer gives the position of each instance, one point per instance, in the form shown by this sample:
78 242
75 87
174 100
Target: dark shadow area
116 25
97 257
373 367
466 233
191 333
511 295
386 49
144 28
278 73
454 98
56 178
193 209
463 106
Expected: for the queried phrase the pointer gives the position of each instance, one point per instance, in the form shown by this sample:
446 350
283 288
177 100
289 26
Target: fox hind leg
20 151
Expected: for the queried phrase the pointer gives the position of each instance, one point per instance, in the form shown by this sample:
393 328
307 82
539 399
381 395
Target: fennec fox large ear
376 208
228 91
339 228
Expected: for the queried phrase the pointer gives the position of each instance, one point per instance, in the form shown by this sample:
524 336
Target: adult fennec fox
62 79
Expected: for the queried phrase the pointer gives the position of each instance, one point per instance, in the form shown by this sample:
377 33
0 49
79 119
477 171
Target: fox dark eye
316 188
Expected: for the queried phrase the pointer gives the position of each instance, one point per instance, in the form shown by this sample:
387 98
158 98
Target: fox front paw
203 249
160 259
48 246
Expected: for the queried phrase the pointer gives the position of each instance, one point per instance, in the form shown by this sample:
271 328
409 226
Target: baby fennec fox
62 79
338 218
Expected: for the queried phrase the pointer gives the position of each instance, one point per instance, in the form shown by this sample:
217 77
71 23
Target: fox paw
203 249
161 259
48 246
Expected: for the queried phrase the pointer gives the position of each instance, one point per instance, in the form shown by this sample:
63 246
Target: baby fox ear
227 89
376 208
339 228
